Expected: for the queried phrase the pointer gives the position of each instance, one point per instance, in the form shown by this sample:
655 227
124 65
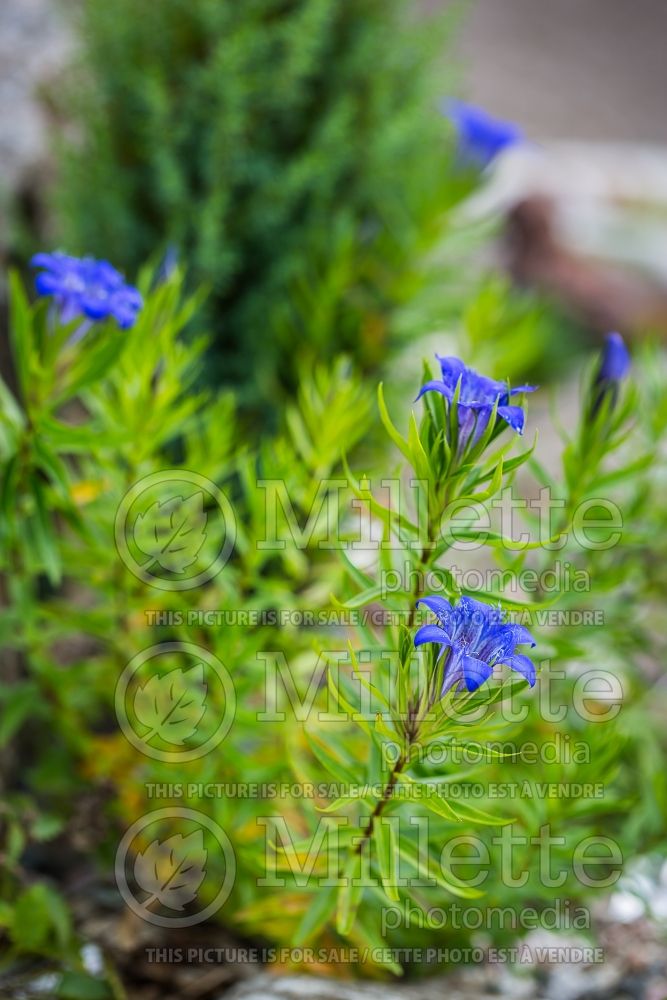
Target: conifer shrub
292 151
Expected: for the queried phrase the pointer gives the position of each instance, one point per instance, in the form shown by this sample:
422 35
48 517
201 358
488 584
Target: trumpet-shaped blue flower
481 137
474 637
85 287
478 396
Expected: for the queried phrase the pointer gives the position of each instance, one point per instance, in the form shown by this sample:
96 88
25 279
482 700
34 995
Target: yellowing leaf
86 491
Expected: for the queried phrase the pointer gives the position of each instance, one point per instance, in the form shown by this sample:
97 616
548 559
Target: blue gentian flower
85 287
474 637
614 367
615 363
481 137
477 397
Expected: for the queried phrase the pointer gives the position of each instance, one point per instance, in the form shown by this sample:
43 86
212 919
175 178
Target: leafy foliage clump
316 629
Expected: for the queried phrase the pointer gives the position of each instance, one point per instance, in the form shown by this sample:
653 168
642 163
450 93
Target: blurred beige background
575 69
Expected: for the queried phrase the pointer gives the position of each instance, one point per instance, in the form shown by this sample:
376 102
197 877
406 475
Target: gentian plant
78 298
438 674
459 455
87 419
419 689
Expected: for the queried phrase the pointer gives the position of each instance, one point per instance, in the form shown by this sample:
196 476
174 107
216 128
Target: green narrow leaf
20 332
362 579
397 438
359 674
389 517
349 894
418 457
429 869
374 593
384 839
316 916
330 762
433 802
353 714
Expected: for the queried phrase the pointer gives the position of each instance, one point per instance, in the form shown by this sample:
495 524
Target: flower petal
435 385
523 665
439 606
467 418
452 368
514 416
44 260
431 633
615 363
523 388
47 283
475 672
522 636
488 613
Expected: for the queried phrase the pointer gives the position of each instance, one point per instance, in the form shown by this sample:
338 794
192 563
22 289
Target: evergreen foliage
290 150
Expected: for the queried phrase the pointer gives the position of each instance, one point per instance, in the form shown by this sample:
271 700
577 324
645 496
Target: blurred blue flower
85 287
477 397
169 264
615 363
614 366
474 637
481 137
